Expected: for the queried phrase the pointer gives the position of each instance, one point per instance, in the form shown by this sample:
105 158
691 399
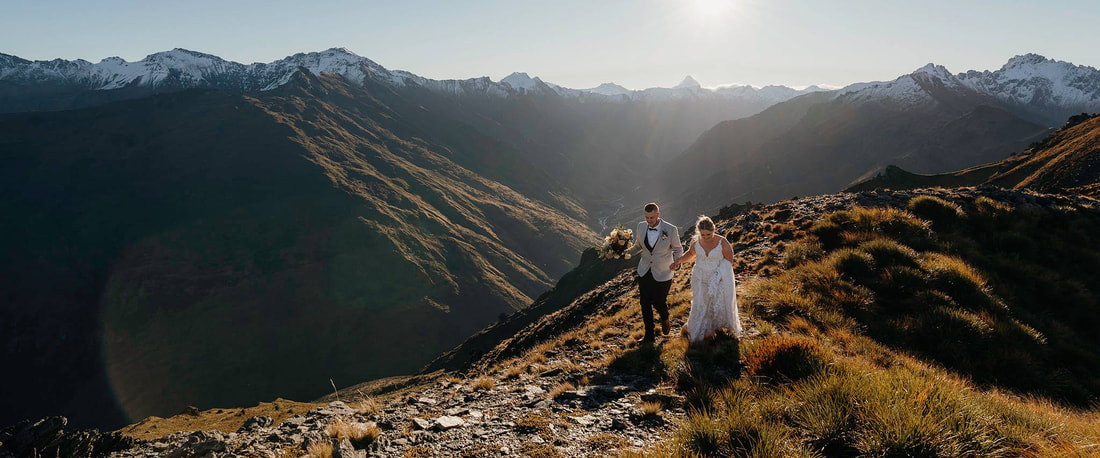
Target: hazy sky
577 44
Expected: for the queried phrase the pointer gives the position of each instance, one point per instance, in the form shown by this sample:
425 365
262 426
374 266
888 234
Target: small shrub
944 215
786 358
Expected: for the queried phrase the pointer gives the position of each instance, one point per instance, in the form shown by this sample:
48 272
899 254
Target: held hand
675 265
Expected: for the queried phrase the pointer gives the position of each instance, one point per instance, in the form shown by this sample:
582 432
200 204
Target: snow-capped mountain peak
688 83
182 68
520 80
1047 90
610 89
933 70
1025 60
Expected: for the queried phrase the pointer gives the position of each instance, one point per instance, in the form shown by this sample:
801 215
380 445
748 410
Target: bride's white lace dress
713 295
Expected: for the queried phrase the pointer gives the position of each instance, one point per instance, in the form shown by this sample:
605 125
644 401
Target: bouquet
615 244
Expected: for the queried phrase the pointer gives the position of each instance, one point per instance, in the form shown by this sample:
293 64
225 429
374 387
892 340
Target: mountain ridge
184 68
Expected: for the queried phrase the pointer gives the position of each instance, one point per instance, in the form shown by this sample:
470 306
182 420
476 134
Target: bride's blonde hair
702 224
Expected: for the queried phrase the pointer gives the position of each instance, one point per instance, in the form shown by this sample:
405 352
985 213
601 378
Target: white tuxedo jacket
665 250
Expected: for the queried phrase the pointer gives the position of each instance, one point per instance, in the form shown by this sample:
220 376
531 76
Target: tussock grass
651 409
359 434
857 408
785 358
368 406
513 372
483 384
942 214
800 252
557 391
322 449
606 442
950 329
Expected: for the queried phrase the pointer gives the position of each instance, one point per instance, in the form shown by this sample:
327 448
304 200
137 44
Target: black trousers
654 295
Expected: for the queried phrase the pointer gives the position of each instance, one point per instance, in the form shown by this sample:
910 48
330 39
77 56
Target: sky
578 44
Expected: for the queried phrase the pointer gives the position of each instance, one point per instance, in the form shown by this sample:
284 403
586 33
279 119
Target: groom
658 243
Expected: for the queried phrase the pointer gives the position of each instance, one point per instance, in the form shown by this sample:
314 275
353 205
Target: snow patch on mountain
181 68
1043 87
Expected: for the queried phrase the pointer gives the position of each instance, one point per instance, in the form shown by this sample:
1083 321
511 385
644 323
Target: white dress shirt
652 233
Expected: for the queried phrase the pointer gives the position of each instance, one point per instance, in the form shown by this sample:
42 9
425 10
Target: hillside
821 143
928 323
206 248
1065 160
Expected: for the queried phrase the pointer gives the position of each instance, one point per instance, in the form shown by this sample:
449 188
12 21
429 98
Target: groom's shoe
647 340
665 326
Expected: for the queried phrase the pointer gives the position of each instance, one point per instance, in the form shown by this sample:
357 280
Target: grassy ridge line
911 332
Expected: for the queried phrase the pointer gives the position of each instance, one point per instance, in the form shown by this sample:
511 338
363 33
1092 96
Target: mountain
961 316
1046 90
928 121
59 84
204 248
1066 161
589 142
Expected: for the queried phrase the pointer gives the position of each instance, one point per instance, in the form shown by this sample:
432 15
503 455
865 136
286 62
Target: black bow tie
652 228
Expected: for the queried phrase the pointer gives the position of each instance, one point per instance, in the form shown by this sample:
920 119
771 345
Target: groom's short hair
652 207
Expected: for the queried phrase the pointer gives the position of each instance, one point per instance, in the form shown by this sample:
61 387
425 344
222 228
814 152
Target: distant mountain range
188 230
184 69
928 121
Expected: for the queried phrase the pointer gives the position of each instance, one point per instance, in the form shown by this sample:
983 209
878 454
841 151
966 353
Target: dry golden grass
420 451
356 433
800 325
368 406
558 390
483 384
651 409
569 366
609 333
224 420
605 442
319 450
514 371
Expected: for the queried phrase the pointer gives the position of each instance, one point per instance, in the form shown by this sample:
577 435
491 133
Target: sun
712 8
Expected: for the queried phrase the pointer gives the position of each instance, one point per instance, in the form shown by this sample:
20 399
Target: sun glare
712 8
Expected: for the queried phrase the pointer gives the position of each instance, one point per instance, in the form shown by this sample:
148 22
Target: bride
713 290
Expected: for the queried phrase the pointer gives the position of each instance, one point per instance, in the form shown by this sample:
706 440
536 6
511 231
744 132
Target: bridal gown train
713 295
